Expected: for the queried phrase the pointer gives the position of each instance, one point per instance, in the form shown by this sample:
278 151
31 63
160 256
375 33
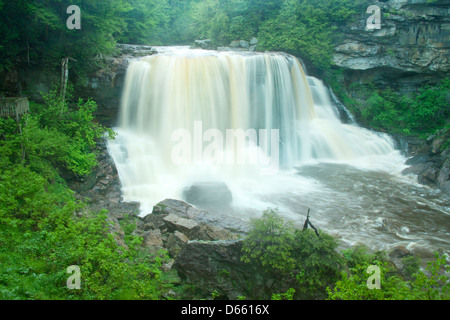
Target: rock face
412 46
214 266
431 162
103 86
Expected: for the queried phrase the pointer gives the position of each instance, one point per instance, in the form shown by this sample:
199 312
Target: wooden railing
13 107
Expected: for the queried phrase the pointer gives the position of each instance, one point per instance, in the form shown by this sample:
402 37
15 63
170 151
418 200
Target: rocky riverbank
203 254
430 160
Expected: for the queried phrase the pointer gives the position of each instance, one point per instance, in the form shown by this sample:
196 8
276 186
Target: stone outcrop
215 266
203 44
431 161
241 45
208 193
412 46
105 86
173 224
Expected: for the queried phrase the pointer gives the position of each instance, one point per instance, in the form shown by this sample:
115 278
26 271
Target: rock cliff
412 46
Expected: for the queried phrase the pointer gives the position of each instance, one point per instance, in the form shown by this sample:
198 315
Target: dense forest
35 31
45 227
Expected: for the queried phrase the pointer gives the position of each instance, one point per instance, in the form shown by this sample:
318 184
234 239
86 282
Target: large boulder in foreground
216 266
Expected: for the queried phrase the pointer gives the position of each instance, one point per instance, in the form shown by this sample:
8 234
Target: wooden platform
13 107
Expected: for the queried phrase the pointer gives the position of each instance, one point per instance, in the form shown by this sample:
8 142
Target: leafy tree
394 286
147 22
307 28
44 229
300 260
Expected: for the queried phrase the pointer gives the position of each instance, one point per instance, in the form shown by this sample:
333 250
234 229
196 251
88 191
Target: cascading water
184 113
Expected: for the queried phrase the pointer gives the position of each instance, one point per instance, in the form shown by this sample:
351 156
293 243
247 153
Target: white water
345 173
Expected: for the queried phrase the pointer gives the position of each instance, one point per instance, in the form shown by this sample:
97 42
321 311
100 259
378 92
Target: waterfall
196 115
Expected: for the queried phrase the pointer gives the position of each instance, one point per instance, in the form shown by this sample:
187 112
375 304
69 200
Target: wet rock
443 179
208 193
207 232
244 44
177 207
214 266
431 162
151 221
176 242
177 223
397 254
153 240
203 44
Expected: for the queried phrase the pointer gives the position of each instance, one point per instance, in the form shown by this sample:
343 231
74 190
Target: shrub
394 284
299 259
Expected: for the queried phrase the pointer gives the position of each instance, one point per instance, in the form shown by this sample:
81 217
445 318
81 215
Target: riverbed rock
203 44
177 223
431 162
397 254
208 193
176 242
207 232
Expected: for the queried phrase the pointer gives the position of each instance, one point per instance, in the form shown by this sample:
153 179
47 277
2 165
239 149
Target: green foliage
35 262
288 295
224 21
147 22
307 28
270 242
309 262
420 113
44 229
65 134
33 31
394 284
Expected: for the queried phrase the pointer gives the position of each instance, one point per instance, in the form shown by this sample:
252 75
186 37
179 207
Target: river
181 107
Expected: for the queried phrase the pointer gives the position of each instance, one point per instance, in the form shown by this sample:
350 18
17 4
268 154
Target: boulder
212 266
207 232
244 44
253 41
177 207
208 193
216 266
177 223
176 242
443 179
397 254
205 44
431 162
153 240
